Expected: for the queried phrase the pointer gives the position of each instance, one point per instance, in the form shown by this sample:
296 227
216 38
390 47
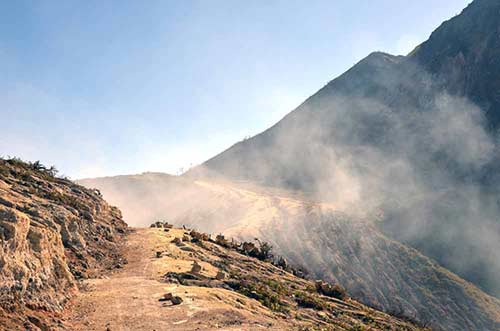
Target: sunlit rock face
52 232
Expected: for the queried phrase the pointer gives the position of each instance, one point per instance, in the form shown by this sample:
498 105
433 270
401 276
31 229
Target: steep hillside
180 280
52 232
415 136
332 245
464 54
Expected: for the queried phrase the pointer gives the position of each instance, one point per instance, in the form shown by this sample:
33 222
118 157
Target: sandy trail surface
127 299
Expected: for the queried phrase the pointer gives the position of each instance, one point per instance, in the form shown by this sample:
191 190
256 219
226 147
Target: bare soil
128 299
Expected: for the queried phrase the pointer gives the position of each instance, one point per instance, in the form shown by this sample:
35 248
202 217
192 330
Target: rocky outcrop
291 302
52 232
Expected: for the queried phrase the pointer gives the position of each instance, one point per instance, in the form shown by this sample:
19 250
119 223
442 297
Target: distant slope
349 250
52 232
139 197
415 136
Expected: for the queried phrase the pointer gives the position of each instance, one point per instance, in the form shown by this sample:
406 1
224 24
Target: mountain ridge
436 110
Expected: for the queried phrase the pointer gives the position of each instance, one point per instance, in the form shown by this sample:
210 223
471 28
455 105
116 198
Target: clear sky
118 87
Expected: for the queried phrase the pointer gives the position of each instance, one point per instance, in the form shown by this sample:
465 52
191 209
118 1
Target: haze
112 88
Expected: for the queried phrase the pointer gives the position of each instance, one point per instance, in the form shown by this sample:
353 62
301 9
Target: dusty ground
128 298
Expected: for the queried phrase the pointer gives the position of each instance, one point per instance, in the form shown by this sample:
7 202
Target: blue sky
117 87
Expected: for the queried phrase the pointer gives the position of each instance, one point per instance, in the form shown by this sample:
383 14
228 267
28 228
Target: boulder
196 268
198 236
176 300
178 241
221 240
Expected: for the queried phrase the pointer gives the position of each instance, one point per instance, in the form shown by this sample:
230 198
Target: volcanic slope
231 291
332 245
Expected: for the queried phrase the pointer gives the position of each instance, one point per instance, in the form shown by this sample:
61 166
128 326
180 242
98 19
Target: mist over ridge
413 136
397 149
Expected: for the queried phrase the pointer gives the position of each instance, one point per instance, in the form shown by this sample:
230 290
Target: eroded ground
233 291
128 298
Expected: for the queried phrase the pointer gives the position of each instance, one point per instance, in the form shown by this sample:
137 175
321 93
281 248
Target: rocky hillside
179 279
52 233
335 246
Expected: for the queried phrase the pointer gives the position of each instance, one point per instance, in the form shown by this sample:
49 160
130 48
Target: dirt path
128 298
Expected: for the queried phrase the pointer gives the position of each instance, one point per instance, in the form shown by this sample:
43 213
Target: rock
88 216
220 275
196 268
167 296
178 241
198 236
176 300
248 247
283 263
221 240
322 315
158 254
186 238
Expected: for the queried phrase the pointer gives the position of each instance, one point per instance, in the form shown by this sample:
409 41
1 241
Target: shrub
260 292
305 300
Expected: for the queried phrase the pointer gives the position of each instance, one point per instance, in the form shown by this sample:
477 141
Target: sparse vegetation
262 292
307 300
35 166
272 283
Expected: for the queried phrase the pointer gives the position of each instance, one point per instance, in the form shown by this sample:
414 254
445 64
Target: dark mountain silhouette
464 53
